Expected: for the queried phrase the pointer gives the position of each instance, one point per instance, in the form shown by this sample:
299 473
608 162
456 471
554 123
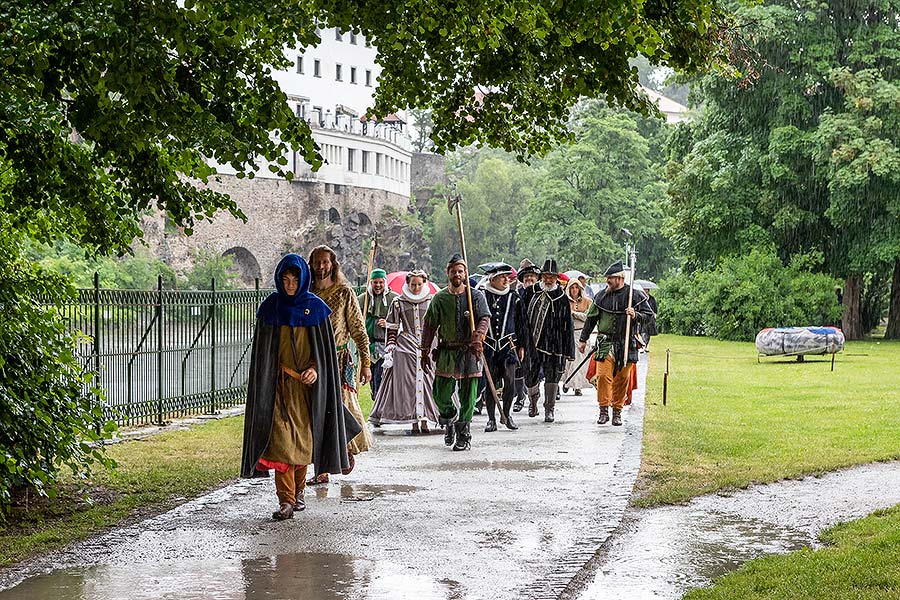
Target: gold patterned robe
347 322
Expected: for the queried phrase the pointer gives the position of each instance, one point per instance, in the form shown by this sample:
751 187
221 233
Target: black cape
332 424
550 332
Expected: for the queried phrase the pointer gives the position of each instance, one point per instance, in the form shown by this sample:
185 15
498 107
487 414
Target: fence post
159 350
212 352
95 350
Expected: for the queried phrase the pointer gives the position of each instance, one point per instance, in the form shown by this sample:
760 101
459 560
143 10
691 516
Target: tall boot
617 416
550 390
492 415
507 404
534 393
463 437
603 419
449 433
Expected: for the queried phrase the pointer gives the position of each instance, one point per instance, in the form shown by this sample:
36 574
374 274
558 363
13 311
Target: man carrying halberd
609 313
458 353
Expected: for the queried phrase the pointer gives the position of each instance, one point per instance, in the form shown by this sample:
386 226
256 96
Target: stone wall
295 216
428 177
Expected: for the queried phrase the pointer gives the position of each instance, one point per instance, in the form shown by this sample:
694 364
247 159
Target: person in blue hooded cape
294 415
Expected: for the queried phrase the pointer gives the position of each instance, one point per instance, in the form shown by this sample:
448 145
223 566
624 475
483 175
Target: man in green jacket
380 298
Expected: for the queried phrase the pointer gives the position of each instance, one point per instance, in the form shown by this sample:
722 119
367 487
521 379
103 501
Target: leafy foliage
209 266
744 294
48 417
802 154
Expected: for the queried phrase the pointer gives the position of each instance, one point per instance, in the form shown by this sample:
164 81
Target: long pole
366 297
630 298
487 371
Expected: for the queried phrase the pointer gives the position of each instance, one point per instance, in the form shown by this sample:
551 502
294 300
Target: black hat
456 258
496 268
617 269
550 267
527 270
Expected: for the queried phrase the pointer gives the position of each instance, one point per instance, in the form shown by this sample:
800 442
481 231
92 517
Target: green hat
378 274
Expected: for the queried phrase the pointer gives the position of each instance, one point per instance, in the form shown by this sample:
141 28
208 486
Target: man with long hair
347 321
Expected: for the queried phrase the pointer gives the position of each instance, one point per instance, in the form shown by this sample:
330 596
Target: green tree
606 180
208 266
756 169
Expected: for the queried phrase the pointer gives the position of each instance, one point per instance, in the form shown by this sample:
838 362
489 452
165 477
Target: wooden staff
462 244
631 259
366 298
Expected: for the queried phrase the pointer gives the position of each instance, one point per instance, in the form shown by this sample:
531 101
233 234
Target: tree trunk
851 322
893 325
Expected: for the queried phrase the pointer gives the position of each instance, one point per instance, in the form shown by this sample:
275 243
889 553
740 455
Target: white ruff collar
408 295
490 288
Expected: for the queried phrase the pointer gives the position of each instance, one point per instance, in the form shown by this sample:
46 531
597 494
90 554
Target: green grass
730 422
862 563
153 474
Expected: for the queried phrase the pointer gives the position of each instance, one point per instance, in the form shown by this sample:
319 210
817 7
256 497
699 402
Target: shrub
48 416
744 294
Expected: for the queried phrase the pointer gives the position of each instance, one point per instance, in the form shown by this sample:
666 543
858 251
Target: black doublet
550 328
507 321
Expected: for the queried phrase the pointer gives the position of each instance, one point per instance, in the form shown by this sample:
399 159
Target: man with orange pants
615 362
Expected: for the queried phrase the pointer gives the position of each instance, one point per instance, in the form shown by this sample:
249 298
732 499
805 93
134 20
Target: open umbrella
396 280
646 284
575 274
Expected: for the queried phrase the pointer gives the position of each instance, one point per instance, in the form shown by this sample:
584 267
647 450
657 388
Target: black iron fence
161 354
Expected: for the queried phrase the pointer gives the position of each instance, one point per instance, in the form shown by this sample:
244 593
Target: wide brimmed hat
617 269
550 267
527 270
496 268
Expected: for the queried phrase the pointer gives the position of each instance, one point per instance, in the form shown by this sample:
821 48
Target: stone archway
246 266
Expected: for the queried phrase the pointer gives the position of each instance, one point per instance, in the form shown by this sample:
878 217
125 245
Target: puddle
479 465
663 552
283 577
361 492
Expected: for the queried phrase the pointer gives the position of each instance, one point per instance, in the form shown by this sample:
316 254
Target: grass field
730 422
153 474
862 563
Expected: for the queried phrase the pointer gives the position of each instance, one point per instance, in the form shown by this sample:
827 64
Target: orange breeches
612 391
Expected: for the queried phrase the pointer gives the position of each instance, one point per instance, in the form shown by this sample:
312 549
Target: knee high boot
492 413
534 393
507 405
449 431
550 390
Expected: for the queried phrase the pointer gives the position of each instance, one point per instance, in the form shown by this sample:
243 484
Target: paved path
516 517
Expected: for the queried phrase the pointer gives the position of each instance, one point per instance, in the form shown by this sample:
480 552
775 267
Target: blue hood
303 309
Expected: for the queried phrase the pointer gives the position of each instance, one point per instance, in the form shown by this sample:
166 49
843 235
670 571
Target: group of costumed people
428 357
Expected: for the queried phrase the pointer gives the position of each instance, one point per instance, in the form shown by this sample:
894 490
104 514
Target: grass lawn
862 563
153 474
730 422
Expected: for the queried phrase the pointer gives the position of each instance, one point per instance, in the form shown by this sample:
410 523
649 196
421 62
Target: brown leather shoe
321 479
299 504
284 512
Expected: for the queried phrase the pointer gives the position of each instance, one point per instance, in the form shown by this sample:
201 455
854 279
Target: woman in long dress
405 395
579 305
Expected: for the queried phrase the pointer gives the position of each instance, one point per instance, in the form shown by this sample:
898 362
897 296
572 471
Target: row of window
366 161
338 71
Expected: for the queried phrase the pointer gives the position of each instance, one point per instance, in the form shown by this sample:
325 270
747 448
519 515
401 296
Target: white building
331 86
673 111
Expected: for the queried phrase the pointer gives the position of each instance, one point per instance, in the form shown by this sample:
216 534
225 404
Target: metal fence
161 354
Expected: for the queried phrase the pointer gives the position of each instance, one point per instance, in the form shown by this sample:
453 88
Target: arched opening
245 264
333 215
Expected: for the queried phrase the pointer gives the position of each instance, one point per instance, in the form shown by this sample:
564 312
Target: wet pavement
515 518
663 552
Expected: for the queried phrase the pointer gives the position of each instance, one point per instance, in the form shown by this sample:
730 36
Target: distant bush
744 294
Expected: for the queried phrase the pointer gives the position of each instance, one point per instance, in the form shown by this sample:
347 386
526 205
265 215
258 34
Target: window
368 78
301 110
378 163
317 68
350 153
338 73
319 116
352 74
352 38
300 64
365 161
337 35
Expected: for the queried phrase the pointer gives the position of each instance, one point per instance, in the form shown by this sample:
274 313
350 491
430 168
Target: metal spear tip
626 232
452 202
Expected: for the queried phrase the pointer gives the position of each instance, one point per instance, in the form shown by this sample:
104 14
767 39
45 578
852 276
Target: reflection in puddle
284 577
362 492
